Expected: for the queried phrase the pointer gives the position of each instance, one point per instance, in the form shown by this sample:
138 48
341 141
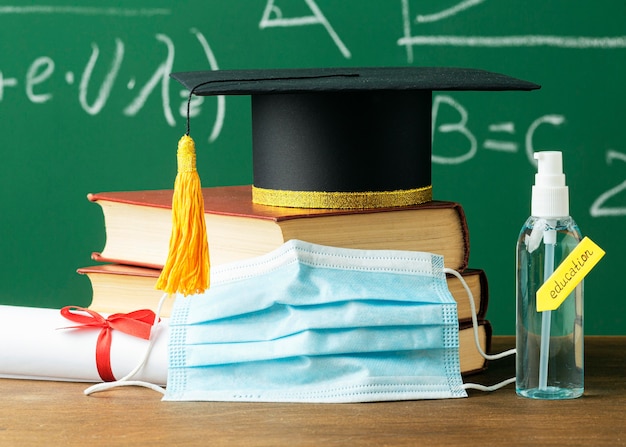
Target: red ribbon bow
138 324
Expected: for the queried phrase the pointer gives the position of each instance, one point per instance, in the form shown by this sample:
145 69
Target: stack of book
138 226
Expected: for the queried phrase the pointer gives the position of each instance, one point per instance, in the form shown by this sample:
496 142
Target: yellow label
568 275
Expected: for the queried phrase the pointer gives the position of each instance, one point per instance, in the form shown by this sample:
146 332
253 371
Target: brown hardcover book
138 226
125 288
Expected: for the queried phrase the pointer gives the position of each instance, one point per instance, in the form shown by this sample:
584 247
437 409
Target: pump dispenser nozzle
550 195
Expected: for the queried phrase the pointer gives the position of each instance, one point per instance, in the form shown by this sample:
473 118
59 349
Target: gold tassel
186 270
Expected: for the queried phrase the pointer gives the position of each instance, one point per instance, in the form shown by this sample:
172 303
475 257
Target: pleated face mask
310 323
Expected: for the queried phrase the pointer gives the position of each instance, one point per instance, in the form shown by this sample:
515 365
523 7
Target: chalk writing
221 100
453 10
107 84
43 68
273 17
6 82
599 208
83 11
160 76
573 42
500 145
461 127
40 70
554 120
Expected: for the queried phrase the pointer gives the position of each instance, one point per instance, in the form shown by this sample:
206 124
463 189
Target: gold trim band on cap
341 200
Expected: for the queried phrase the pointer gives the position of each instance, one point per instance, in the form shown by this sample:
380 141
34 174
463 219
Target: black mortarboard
343 138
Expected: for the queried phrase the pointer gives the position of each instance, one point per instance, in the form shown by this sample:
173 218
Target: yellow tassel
186 270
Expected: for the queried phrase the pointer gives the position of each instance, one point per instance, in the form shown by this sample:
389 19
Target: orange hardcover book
138 226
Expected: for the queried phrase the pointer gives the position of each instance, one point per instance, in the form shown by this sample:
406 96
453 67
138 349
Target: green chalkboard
86 105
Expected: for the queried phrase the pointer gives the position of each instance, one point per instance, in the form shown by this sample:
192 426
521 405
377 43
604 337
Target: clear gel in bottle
550 356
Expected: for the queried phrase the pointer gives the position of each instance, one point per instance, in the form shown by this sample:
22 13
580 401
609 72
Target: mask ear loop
125 381
500 355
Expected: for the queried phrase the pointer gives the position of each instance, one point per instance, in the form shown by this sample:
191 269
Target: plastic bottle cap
550 194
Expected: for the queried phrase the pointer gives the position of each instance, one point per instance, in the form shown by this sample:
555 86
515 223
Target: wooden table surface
35 413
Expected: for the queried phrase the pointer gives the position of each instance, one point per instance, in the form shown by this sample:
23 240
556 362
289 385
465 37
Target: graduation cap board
343 138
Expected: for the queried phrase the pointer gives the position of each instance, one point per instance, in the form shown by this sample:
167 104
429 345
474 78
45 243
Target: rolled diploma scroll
34 345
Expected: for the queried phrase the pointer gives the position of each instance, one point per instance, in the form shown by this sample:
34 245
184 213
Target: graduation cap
341 137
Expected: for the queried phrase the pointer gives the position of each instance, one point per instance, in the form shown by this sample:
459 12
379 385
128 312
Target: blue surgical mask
310 323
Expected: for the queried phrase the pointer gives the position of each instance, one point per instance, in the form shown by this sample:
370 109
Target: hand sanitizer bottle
549 363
